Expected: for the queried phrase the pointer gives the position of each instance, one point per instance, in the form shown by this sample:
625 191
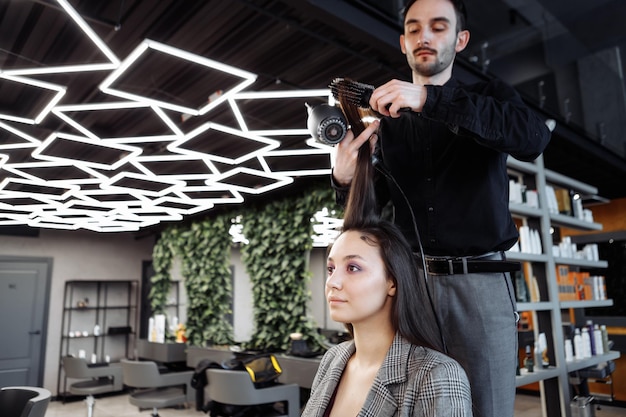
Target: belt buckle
463 261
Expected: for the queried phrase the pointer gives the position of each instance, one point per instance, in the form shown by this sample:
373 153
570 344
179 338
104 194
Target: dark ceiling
546 49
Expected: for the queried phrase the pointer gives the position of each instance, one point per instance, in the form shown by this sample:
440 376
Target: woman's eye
353 268
329 270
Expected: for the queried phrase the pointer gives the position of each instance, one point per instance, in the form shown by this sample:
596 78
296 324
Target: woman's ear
391 288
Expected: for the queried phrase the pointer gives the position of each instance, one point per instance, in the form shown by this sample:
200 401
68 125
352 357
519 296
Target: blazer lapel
334 370
381 400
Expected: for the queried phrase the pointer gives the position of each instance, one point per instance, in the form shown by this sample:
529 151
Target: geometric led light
299 162
220 143
31 142
326 228
117 175
150 50
183 206
36 189
273 105
181 167
112 63
65 148
144 184
209 195
54 172
250 180
105 114
36 115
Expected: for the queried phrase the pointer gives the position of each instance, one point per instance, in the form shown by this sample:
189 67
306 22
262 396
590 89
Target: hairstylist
448 156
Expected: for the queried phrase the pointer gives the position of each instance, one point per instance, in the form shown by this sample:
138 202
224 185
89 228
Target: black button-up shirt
449 163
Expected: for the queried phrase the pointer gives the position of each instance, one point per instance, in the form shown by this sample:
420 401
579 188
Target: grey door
24 292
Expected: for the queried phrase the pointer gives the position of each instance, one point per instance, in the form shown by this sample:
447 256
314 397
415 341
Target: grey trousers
477 313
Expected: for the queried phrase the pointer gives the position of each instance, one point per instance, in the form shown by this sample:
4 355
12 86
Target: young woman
387 369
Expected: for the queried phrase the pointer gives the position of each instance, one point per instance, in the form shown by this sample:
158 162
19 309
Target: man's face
430 41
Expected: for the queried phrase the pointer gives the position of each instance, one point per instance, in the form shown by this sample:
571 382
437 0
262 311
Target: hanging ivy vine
162 255
276 259
205 266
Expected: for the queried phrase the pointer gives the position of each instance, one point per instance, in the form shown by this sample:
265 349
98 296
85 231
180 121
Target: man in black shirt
446 166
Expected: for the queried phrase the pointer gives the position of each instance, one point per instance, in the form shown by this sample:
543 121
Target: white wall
77 255
318 306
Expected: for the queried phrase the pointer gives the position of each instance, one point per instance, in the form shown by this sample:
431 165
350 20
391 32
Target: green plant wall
205 253
163 253
204 250
276 259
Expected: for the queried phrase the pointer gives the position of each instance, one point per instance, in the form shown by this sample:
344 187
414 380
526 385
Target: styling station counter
296 370
161 352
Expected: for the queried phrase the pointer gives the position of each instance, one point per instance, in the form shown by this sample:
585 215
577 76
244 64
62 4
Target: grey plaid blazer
412 381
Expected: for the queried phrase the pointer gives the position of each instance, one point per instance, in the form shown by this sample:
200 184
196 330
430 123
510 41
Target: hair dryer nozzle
327 124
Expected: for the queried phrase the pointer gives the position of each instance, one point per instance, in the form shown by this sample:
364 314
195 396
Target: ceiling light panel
136 151
146 63
30 100
32 62
64 148
223 144
122 122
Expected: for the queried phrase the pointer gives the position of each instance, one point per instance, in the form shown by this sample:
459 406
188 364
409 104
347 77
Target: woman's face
357 288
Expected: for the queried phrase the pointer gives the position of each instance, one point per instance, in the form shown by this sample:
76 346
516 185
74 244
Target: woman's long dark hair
361 204
412 316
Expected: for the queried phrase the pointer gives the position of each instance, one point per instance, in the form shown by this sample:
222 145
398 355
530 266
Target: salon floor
118 406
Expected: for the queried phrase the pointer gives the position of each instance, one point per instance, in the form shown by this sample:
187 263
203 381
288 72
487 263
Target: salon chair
92 380
155 390
21 401
235 387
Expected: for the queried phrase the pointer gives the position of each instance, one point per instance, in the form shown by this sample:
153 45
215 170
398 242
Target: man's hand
395 96
347 151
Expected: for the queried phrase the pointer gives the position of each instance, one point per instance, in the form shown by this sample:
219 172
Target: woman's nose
333 281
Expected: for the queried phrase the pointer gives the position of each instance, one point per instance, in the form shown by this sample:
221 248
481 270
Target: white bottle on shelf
597 338
578 345
605 339
586 343
569 351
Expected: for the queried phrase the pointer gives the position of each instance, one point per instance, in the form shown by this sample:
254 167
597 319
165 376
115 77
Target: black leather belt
468 266
491 262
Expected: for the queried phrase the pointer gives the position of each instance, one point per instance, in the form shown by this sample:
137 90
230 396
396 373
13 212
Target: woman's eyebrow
346 258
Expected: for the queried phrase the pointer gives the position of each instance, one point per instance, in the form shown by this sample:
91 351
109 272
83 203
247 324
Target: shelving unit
548 311
110 305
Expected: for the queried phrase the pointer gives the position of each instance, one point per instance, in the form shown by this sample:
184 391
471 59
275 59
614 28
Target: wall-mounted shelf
547 311
109 305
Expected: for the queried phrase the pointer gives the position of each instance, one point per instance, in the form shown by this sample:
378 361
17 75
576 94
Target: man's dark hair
459 8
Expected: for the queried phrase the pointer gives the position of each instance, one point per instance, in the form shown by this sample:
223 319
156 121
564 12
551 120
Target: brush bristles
354 92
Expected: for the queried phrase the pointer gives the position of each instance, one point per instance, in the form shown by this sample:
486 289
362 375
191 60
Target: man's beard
428 69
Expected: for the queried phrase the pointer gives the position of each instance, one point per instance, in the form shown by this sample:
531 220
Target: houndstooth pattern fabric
412 381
